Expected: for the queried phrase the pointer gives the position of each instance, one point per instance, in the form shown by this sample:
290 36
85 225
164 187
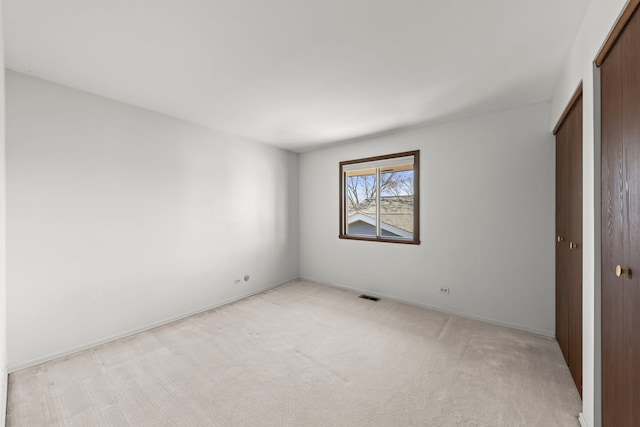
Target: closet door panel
631 142
621 230
562 214
575 244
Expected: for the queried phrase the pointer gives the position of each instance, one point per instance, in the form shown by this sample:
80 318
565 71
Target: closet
569 237
620 210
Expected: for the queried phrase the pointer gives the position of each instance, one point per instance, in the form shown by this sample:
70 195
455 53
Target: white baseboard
147 327
549 334
138 330
583 420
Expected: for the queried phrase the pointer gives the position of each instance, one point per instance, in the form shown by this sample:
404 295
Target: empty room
320 213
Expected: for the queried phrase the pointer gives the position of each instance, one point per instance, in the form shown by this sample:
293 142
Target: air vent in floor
369 297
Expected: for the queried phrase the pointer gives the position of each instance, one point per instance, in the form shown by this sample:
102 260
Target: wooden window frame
416 200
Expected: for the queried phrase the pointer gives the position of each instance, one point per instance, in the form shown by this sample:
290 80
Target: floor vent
369 297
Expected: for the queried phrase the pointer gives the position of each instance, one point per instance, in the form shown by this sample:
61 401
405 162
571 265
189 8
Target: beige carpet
306 355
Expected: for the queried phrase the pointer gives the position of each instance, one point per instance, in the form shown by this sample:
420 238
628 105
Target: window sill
378 239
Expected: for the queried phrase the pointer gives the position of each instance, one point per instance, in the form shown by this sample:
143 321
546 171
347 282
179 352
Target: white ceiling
299 73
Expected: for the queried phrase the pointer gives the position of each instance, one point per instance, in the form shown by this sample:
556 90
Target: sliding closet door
569 239
621 230
562 230
574 258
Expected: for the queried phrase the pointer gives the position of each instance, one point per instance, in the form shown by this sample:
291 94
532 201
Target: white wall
120 218
599 21
487 220
3 283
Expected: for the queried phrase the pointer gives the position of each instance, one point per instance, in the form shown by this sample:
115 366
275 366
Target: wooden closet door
562 231
574 260
569 239
621 230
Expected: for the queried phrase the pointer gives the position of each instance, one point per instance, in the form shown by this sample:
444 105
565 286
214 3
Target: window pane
397 201
361 202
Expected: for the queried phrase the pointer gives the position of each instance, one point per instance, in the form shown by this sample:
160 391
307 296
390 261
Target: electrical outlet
444 291
236 282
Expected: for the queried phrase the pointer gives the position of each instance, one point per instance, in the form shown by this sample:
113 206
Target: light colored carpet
306 355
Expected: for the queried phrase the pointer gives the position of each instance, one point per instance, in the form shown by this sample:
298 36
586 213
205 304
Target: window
379 198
